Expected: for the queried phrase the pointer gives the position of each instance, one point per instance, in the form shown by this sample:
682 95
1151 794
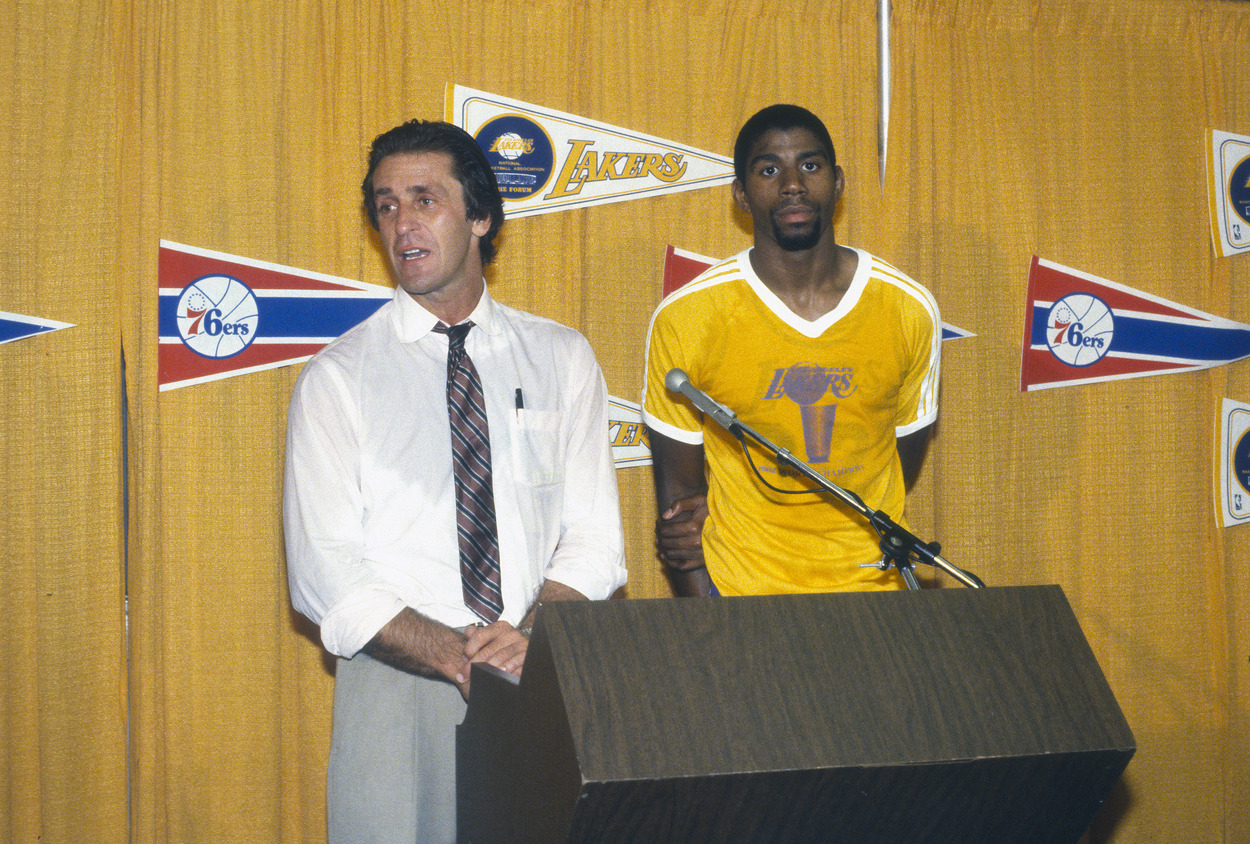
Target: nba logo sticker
1241 473
1235 463
1081 328
217 316
1239 196
1228 191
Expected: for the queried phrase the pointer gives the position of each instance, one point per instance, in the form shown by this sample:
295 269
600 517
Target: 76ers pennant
221 315
1080 328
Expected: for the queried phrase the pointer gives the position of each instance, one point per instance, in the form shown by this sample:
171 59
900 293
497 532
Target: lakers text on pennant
628 434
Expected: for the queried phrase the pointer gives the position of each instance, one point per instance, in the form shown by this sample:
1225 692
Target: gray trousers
392 775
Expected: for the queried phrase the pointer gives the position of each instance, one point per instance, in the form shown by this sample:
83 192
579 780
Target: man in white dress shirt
370 506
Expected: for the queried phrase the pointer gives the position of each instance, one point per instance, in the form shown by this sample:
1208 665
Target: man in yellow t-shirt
826 350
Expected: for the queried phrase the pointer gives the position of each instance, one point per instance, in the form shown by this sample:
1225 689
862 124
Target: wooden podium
960 715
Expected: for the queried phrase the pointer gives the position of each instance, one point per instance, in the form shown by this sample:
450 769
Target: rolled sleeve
349 625
329 580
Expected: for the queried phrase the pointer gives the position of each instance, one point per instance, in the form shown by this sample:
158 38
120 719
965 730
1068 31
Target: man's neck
810 282
453 306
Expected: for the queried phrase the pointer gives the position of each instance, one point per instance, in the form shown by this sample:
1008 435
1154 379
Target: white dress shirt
369 506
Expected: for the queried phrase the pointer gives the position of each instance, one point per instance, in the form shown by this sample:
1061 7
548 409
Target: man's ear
482 226
740 196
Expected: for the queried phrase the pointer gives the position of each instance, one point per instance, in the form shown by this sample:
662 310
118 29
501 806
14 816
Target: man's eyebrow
815 152
411 190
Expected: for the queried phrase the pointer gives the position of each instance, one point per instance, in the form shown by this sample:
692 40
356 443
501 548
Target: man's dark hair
468 165
781 117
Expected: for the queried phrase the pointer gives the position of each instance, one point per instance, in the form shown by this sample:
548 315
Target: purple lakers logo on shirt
806 384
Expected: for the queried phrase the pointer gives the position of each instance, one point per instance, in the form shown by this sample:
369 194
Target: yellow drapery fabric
1076 134
1073 131
62 644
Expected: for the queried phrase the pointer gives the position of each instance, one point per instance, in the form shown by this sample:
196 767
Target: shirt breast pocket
538 458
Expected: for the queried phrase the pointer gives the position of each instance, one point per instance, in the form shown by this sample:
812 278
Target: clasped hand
679 533
498 644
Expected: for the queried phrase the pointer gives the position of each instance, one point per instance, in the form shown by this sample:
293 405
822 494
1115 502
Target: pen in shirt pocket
520 402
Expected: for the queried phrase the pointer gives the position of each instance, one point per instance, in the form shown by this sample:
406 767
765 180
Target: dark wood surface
857 717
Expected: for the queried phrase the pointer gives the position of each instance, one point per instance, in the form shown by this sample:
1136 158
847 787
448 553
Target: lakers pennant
1234 456
1228 190
546 160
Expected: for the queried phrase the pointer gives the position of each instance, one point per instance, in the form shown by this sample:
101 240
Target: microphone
679 382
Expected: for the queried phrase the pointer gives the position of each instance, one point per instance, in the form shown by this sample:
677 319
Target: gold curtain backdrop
62 641
1071 131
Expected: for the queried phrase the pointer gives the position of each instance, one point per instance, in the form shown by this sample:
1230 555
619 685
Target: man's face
791 189
429 239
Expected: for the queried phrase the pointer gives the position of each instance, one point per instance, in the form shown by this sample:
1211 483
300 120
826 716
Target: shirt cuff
911 428
681 435
357 618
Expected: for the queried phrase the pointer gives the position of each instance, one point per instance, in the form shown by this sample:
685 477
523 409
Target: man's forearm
551 591
691 583
419 645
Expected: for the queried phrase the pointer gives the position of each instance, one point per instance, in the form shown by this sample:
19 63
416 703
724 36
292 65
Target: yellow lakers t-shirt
835 392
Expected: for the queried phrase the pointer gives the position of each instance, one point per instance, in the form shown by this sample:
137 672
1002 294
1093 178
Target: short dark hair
780 116
468 165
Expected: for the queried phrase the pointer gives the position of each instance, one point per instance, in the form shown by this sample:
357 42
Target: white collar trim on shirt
812 328
412 321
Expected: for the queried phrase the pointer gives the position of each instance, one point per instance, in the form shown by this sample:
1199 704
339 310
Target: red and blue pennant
222 315
1079 328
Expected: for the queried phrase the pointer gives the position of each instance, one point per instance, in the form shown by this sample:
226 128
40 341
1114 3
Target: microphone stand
899 547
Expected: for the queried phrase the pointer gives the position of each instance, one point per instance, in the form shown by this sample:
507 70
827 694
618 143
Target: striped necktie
475 495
